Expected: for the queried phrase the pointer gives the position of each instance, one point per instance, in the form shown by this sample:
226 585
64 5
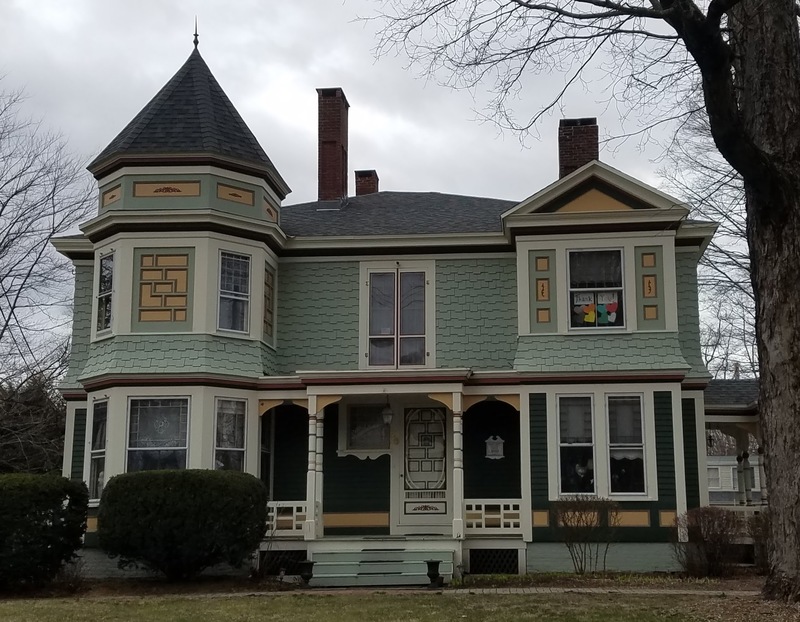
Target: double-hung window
229 451
234 292
625 444
596 289
104 292
576 444
158 434
97 458
397 318
713 478
269 303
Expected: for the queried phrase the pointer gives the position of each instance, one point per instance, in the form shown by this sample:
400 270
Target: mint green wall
621 557
81 326
476 312
318 316
689 312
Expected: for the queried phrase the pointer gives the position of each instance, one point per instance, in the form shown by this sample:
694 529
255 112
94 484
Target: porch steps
389 566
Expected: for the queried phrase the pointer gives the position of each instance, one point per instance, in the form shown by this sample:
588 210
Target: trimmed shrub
182 522
712 533
42 522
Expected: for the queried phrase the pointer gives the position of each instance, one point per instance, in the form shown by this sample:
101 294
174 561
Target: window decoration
229 450
105 292
269 302
238 195
97 459
163 287
397 331
595 289
158 434
494 448
234 292
576 444
626 444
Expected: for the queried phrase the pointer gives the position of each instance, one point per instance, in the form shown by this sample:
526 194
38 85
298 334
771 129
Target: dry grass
388 607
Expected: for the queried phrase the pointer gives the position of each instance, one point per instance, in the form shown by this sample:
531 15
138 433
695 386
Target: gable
593 200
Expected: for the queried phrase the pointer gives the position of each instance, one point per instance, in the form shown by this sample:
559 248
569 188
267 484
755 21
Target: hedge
42 522
180 522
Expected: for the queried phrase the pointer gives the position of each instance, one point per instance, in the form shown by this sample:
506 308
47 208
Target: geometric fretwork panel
425 449
163 287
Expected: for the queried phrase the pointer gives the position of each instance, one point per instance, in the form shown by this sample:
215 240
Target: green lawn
362 607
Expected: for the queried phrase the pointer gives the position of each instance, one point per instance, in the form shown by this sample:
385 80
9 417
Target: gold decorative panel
648 260
543 316
633 518
649 286
163 288
650 312
541 518
112 196
166 189
542 264
543 289
239 195
667 518
270 212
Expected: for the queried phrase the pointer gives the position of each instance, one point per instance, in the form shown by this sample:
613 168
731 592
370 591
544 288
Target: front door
424 493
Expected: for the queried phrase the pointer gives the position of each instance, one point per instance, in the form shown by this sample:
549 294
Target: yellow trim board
633 518
91 524
667 518
356 519
541 518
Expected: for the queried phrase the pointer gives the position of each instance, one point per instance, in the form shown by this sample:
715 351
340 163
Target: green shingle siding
476 312
318 312
689 312
690 453
486 478
81 325
78 444
538 443
665 448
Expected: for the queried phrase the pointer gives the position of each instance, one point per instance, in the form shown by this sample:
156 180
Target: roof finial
196 36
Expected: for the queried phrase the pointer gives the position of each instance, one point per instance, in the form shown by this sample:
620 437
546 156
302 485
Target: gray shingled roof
395 213
732 392
190 115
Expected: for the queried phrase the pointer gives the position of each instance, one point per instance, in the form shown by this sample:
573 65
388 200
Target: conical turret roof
189 121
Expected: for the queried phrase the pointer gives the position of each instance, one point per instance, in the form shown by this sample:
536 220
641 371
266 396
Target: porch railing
286 518
493 516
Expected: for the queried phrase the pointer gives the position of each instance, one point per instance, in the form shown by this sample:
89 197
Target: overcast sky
88 66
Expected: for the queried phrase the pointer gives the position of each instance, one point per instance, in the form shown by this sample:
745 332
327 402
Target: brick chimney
332 133
366 182
577 144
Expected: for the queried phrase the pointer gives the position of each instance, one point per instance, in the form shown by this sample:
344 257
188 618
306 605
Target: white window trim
623 288
248 298
104 332
429 269
243 449
187 447
344 421
559 444
627 495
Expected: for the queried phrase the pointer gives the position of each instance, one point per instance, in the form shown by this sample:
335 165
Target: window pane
139 460
229 460
381 351
627 470
381 304
235 274
233 314
625 420
412 303
97 476
713 477
158 423
595 269
106 274
230 424
366 428
412 351
575 415
99 414
577 469
596 309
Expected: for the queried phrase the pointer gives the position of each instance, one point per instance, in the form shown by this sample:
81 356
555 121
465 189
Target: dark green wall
538 440
485 478
665 448
78 444
290 453
690 453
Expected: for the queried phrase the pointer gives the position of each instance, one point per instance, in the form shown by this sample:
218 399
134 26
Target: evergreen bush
42 522
182 522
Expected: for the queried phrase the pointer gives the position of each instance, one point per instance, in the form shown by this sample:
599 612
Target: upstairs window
397 327
104 293
269 303
595 289
234 292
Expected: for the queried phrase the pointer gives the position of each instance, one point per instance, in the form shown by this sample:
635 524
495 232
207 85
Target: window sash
234 292
714 480
230 434
576 445
105 292
97 453
396 331
269 301
596 289
145 450
626 456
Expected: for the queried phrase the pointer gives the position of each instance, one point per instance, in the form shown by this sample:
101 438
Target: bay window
229 450
596 289
158 433
234 292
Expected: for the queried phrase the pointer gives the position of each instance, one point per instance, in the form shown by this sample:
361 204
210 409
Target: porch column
458 469
310 526
319 476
